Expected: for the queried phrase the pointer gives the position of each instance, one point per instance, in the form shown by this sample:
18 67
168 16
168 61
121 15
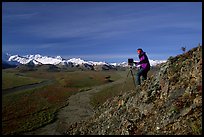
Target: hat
140 49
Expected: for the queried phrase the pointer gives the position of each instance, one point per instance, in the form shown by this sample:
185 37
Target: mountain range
9 60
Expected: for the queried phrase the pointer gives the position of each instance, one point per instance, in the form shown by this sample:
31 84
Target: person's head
139 51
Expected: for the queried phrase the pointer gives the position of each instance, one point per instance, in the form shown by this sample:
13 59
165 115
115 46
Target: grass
10 80
18 117
26 110
100 97
86 79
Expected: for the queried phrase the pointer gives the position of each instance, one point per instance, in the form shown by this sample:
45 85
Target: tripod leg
133 78
128 73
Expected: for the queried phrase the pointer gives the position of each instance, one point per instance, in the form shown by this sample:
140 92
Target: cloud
98 21
15 17
107 28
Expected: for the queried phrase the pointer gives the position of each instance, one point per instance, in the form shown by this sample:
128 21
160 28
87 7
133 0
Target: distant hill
168 103
7 65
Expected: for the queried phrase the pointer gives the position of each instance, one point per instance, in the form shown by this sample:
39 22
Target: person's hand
136 63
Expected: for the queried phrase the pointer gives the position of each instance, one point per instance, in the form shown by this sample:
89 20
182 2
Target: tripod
129 72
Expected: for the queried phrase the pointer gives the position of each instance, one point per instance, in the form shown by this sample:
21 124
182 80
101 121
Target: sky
101 31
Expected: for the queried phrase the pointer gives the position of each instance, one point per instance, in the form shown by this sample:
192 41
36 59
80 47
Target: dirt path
78 109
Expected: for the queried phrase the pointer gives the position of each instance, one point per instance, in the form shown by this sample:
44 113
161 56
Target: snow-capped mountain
120 64
18 59
155 62
36 59
152 63
79 61
6 60
58 60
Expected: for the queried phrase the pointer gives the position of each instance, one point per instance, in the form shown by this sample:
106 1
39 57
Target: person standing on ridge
144 66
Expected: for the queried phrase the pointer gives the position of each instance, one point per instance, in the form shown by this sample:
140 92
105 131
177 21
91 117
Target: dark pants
142 72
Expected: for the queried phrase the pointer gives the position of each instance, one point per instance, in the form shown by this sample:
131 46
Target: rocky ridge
167 103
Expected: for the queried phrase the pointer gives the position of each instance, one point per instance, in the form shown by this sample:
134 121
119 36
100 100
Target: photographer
144 66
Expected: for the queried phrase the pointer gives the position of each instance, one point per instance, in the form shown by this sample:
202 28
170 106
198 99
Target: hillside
167 103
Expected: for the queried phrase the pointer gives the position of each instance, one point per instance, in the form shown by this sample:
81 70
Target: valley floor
78 109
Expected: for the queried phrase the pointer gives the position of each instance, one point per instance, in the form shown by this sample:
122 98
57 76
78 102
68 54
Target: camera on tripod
130 62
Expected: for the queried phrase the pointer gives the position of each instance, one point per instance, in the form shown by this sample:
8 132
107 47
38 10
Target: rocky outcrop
167 103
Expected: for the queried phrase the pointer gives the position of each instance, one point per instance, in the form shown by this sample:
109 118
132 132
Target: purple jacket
144 61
